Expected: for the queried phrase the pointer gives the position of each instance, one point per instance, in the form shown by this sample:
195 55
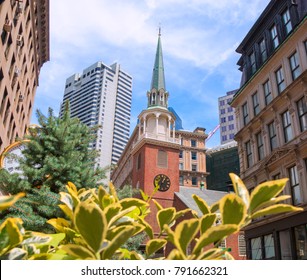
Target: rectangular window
223 120
286 121
229 109
193 143
224 138
263 51
256 105
180 154
260 146
269 249
231 127
287 21
230 118
231 136
245 113
252 61
256 253
249 154
295 186
194 181
302 113
274 36
301 241
222 102
180 165
285 245
194 167
294 65
222 111
280 80
194 155
267 92
224 128
272 135
181 183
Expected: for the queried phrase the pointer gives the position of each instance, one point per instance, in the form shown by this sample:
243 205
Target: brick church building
155 152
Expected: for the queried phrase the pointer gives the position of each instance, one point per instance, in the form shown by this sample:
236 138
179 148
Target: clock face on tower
162 182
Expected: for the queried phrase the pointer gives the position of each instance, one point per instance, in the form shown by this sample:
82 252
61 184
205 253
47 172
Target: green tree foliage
56 151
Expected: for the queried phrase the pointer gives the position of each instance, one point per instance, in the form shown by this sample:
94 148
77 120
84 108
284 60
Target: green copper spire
158 80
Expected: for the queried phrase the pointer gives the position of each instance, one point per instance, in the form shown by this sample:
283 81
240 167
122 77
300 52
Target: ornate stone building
24 45
271 115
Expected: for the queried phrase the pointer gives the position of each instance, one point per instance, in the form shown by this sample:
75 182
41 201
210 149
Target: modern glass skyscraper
102 95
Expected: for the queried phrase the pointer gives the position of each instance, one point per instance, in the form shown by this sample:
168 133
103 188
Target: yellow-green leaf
144 195
273 201
215 207
185 233
276 209
59 223
14 254
67 200
165 217
202 205
129 202
78 252
240 189
233 209
206 222
91 223
67 211
265 192
72 190
117 242
148 229
10 234
213 235
7 201
154 245
113 191
176 255
158 205
112 210
182 213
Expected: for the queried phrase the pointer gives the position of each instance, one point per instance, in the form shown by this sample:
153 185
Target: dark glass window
260 146
272 135
295 186
274 36
256 105
263 51
286 121
249 154
287 21
194 155
280 80
267 92
252 61
245 113
193 143
302 113
294 65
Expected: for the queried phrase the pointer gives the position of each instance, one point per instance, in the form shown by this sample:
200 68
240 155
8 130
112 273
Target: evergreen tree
57 152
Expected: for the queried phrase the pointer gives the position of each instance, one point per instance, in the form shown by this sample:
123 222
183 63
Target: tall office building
227 117
24 45
102 95
271 114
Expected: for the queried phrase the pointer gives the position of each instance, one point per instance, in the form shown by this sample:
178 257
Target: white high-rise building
102 95
227 118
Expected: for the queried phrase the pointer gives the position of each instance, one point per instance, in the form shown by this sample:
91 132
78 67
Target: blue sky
199 38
